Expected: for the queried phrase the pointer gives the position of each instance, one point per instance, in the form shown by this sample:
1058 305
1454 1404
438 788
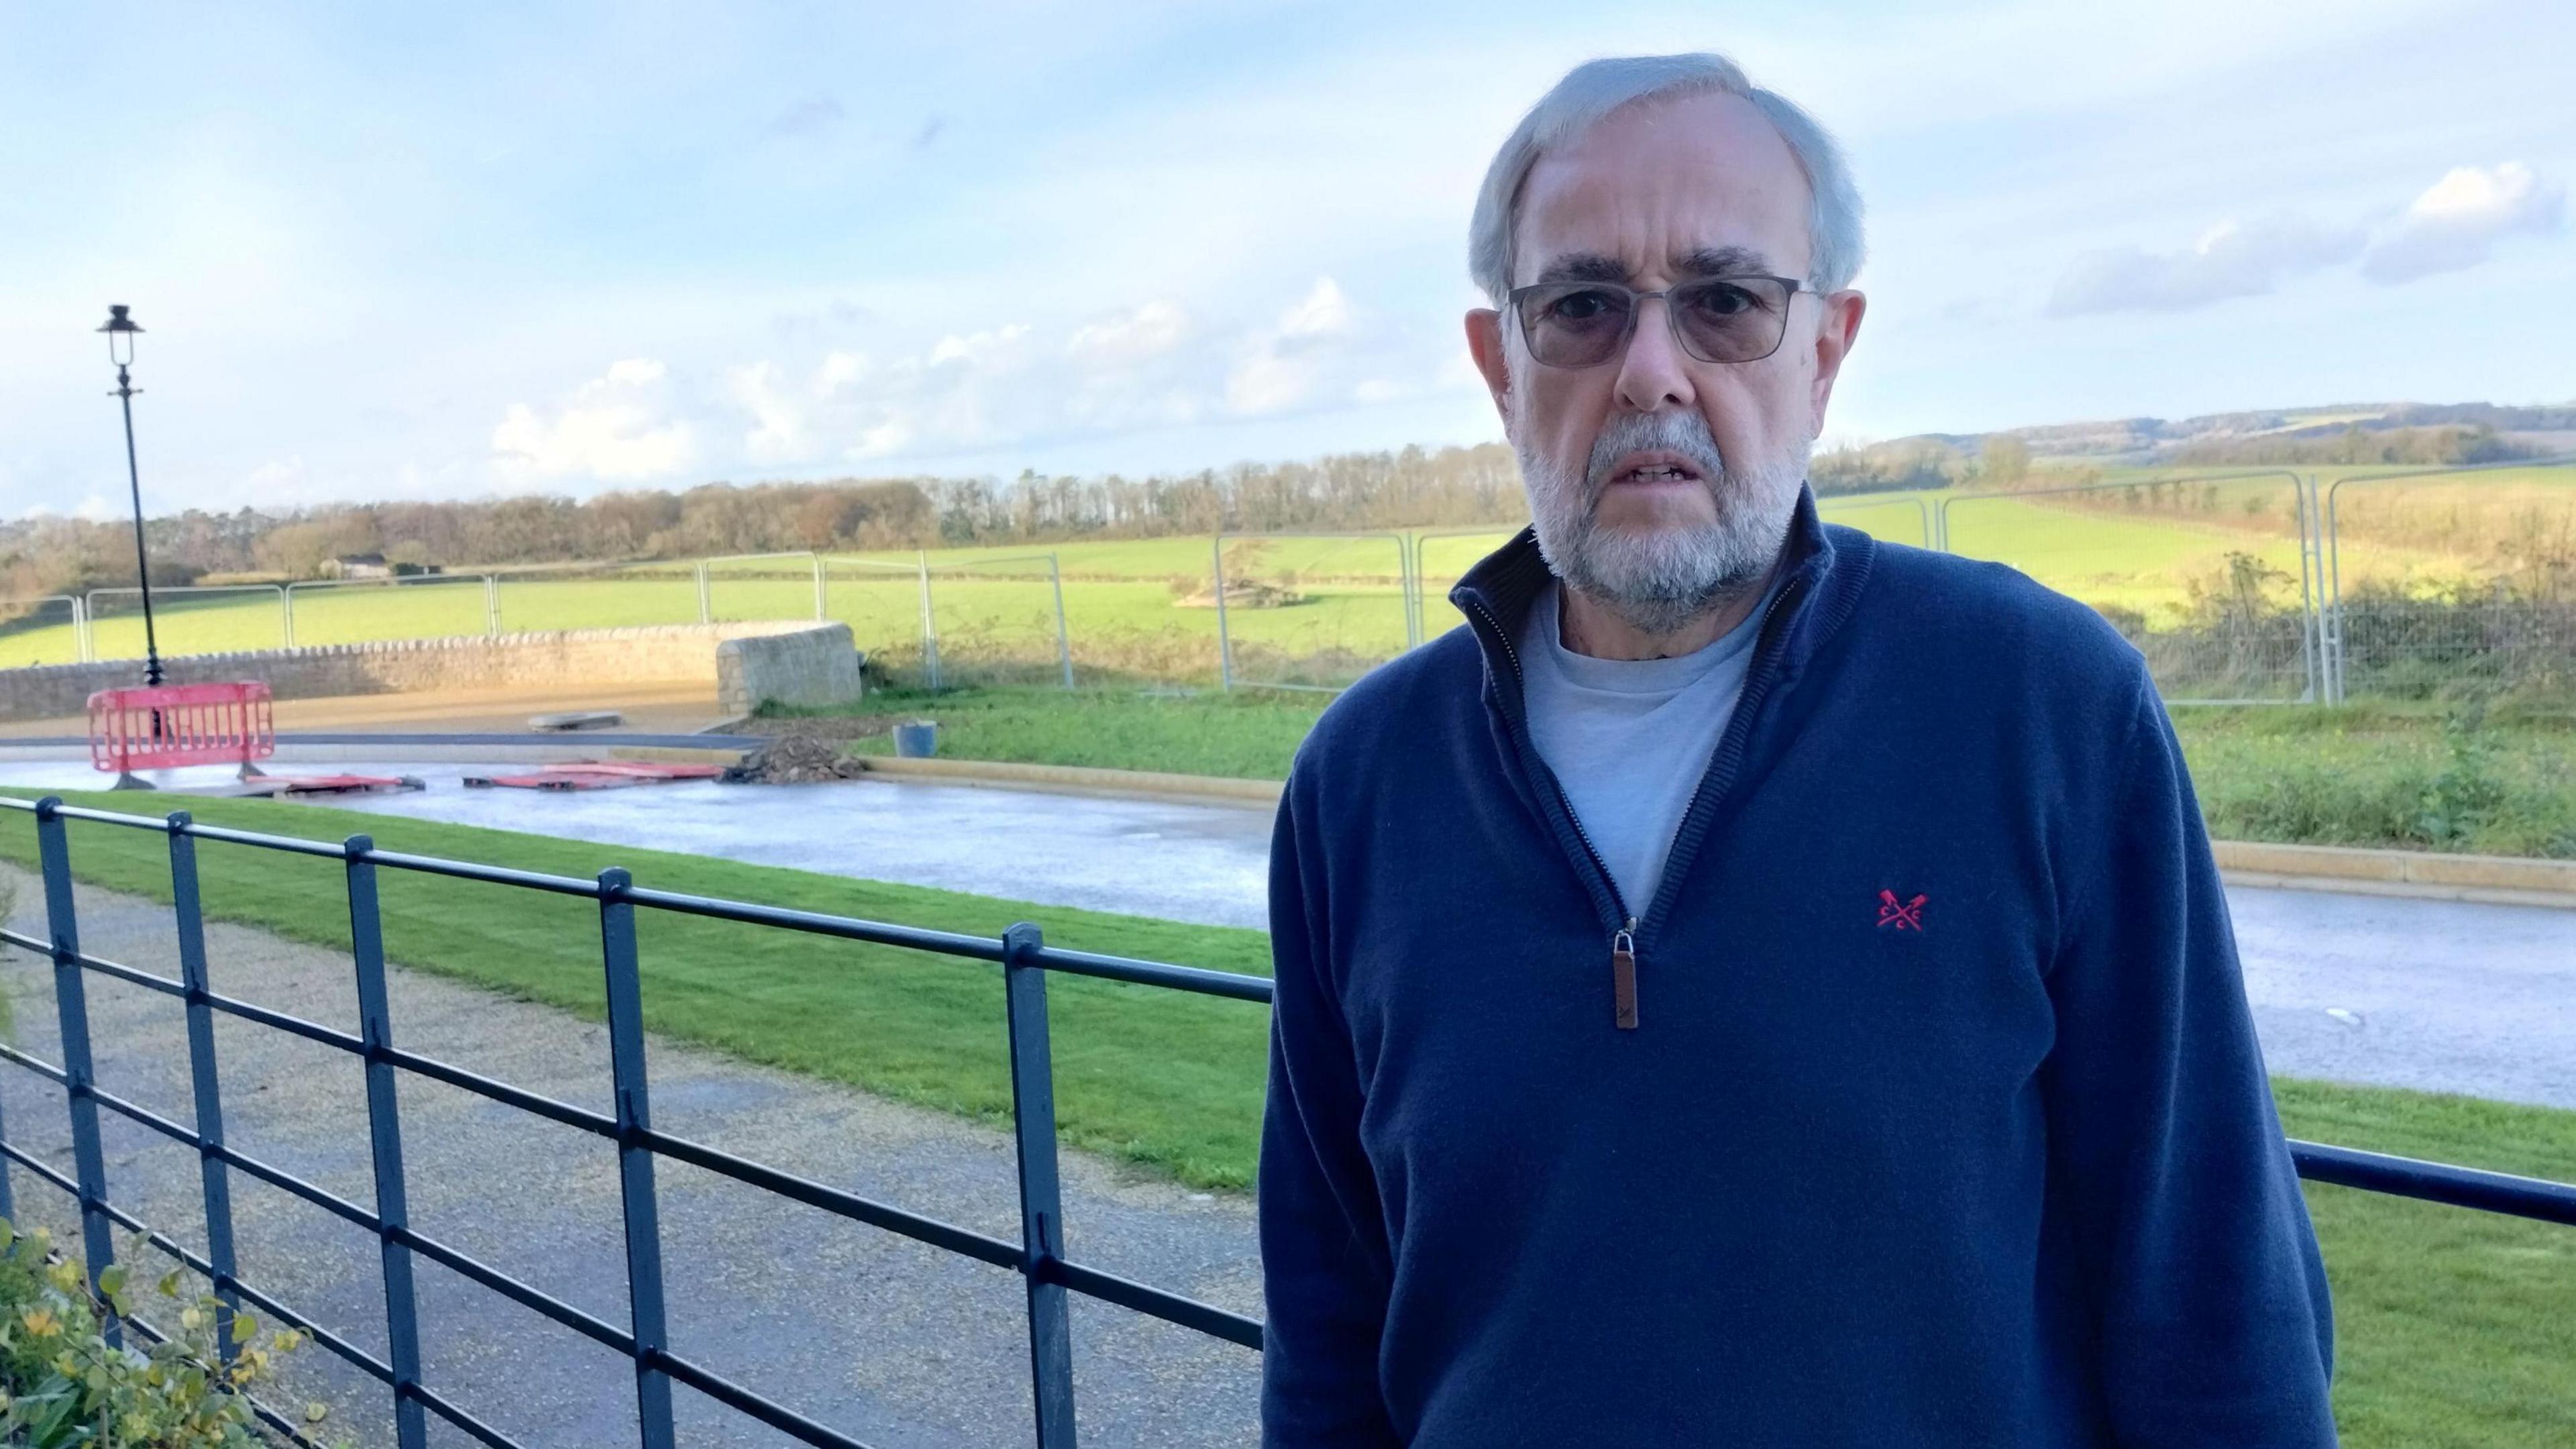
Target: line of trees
1413 487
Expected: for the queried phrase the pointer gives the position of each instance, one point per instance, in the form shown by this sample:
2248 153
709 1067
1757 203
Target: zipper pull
1623 975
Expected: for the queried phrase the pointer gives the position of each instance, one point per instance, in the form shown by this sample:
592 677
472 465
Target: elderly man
1752 985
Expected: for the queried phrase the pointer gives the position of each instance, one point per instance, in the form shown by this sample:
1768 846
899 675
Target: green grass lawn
2371 775
2455 1328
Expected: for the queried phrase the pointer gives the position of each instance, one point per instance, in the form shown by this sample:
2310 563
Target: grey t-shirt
1630 739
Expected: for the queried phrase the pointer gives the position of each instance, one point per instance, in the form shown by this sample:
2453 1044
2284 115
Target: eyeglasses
1715 319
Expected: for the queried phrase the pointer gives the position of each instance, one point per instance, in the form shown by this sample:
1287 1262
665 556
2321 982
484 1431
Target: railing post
1041 1199
71 1004
706 604
818 589
190 918
491 606
634 1159
384 1126
1224 647
1063 640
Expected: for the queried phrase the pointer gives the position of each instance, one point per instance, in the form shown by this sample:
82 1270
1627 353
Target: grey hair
1594 89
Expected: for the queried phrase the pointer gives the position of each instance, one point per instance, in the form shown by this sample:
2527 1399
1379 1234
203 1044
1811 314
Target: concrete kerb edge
2510 880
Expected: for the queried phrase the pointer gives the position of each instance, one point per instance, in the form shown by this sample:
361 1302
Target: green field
2155 548
2454 1328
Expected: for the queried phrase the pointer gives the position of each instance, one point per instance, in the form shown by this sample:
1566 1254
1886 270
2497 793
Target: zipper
1623 939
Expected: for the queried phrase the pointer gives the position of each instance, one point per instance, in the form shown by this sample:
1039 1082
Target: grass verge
2374 775
2454 1328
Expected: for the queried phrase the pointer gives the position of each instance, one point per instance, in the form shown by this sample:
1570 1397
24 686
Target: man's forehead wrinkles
1712 261
1721 261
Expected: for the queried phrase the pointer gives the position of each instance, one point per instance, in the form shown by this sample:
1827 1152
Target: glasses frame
1672 316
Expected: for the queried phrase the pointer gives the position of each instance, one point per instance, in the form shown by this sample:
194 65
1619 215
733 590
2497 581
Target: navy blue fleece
1943 1123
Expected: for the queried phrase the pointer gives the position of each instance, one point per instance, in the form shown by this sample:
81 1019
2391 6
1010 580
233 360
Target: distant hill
2340 433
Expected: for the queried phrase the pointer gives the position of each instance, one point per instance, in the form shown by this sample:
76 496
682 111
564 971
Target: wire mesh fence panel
2453 585
197 619
881 602
2210 577
997 621
1891 517
1309 611
428 606
42 630
764 586
1441 557
578 596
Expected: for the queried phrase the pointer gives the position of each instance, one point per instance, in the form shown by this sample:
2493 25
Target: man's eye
1724 301
1583 307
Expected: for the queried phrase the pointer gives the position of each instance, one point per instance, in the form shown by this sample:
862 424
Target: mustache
1683 433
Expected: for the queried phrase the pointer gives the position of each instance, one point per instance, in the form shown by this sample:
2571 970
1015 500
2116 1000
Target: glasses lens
1731 319
1579 324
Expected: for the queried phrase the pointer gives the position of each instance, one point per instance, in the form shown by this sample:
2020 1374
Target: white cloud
2229 260
1287 365
616 428
2457 221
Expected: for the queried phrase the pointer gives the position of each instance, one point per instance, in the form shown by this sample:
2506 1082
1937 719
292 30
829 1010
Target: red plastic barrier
180 724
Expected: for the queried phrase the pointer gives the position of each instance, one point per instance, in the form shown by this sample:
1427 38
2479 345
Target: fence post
818 588
80 632
1224 646
491 606
634 1158
1063 640
706 603
929 625
71 1004
285 619
216 1185
384 1127
1041 1200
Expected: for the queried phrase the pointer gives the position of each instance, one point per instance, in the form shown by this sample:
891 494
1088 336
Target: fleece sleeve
1325 1271
2212 1326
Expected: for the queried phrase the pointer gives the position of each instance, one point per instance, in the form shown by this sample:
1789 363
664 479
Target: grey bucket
916 741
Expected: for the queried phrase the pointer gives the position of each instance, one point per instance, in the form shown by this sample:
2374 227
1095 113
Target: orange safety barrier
181 724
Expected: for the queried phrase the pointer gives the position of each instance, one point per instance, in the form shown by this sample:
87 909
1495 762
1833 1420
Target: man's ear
1485 345
1834 337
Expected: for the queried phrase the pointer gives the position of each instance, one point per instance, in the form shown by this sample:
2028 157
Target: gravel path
883 1338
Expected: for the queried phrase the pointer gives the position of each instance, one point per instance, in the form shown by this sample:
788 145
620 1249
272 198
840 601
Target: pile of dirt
1244 595
804 751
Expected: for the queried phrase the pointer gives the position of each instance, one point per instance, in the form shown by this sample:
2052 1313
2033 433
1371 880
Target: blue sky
475 248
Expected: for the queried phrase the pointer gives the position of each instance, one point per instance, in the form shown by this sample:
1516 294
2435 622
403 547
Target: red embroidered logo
1903 915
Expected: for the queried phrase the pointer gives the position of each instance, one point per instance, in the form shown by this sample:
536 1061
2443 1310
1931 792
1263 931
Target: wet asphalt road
2436 995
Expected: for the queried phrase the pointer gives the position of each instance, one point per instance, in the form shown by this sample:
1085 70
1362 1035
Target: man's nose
1655 373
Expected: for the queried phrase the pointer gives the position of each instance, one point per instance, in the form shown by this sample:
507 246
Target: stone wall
813 666
658 653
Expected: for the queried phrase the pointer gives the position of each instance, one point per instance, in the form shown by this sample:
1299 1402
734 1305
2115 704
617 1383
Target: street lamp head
120 330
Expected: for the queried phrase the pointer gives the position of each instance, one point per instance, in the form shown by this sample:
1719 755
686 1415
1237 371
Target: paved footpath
885 1339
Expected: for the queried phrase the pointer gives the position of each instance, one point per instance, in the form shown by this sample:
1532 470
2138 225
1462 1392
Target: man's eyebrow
1584 267
1722 262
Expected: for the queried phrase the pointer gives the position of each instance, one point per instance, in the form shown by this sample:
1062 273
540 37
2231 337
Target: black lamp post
121 332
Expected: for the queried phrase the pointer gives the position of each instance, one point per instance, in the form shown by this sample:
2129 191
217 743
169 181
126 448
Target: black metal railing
1038 1257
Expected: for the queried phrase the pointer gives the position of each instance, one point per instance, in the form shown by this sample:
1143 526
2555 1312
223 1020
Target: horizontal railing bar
1154 973
1154 1302
535 1104
833 1200
28 943
734 1396
145 1116
562 885
294 1025
455 1414
517 1292
357 1357
2468 1187
946 943
38 1065
166 985
276 1177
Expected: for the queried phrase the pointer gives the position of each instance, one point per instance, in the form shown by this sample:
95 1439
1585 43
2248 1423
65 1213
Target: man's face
1655 195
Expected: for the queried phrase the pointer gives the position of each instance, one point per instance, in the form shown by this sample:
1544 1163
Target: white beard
1659 579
